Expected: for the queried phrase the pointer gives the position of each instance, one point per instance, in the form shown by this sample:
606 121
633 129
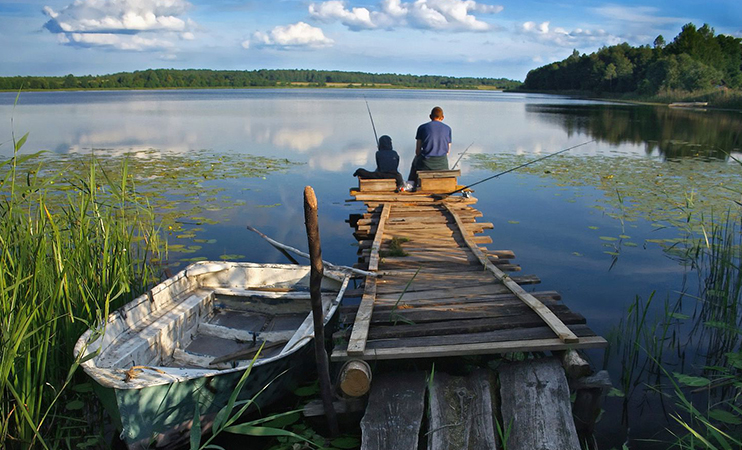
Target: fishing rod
461 156
516 168
372 121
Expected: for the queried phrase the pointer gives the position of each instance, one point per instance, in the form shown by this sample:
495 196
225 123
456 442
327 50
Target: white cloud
453 15
334 10
297 35
114 41
121 24
634 14
578 37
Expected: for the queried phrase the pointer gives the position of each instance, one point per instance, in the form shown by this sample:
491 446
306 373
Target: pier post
315 284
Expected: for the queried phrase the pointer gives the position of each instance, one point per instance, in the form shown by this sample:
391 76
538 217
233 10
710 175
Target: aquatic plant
65 262
184 191
705 390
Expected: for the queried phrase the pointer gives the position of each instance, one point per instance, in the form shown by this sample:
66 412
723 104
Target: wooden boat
190 339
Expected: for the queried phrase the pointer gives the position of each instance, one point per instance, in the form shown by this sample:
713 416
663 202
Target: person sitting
432 144
387 164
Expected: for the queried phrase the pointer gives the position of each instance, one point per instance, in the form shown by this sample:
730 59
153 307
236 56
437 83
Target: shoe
400 189
409 187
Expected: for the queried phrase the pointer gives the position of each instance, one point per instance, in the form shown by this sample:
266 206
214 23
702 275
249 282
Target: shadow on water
666 132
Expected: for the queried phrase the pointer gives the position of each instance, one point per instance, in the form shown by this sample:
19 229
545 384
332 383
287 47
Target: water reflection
667 132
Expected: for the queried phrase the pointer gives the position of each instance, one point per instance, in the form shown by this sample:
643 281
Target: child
387 163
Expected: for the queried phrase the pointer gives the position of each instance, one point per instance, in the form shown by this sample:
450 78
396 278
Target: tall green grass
67 258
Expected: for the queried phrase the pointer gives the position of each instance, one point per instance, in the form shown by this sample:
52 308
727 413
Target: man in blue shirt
433 142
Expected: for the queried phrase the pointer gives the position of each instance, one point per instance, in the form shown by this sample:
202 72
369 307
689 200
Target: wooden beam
484 348
536 407
395 411
561 330
357 341
373 263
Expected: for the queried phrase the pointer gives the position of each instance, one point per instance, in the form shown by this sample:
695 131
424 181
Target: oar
285 248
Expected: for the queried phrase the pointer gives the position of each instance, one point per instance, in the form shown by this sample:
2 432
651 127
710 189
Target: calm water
560 230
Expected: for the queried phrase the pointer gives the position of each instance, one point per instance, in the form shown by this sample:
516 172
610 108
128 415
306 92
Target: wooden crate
438 181
376 185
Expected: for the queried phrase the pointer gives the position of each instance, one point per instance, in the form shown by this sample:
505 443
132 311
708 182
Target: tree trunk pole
315 284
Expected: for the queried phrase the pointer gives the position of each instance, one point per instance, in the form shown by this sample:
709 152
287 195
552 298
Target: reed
66 261
702 396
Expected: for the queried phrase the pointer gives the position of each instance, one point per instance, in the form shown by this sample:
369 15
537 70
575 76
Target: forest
695 61
192 78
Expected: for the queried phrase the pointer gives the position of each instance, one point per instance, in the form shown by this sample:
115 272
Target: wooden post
315 284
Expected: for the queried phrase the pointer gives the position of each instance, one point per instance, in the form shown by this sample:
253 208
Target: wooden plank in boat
485 348
561 330
536 391
394 412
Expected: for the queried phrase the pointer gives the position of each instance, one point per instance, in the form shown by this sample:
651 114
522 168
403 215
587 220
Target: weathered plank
394 412
484 348
357 341
509 335
561 330
462 412
373 263
536 407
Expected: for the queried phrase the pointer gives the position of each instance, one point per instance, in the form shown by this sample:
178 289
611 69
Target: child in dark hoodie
387 164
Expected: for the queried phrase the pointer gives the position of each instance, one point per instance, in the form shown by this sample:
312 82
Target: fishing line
372 121
461 156
516 168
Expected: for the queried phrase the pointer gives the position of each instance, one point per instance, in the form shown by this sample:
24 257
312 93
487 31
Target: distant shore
715 99
288 86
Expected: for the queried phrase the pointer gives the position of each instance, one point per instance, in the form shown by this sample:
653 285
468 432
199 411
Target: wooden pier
440 293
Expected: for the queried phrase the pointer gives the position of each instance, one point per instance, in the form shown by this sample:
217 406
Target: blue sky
442 37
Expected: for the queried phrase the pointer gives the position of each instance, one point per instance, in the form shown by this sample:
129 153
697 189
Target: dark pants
363 173
431 163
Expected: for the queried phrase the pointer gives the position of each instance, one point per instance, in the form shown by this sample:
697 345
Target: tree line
696 60
191 78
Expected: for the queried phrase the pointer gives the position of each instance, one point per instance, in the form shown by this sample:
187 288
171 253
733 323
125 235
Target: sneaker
408 186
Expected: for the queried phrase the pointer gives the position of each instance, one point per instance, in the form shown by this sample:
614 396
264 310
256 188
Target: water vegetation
67 261
185 192
688 357
80 236
660 192
696 66
172 78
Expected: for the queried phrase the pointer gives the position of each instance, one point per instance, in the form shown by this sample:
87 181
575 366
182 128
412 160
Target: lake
600 224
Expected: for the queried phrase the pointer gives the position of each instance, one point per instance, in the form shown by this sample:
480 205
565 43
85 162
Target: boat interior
212 316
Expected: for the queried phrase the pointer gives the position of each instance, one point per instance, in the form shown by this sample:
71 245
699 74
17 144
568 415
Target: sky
422 37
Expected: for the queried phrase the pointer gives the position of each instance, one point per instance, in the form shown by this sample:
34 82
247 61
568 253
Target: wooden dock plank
536 406
395 411
484 348
357 341
462 412
561 330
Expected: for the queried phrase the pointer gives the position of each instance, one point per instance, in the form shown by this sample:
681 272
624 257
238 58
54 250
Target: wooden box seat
377 184
438 181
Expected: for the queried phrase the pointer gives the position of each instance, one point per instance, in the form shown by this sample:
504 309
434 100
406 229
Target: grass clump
395 247
66 261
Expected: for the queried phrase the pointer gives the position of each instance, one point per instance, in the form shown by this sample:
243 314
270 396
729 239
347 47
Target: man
433 142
